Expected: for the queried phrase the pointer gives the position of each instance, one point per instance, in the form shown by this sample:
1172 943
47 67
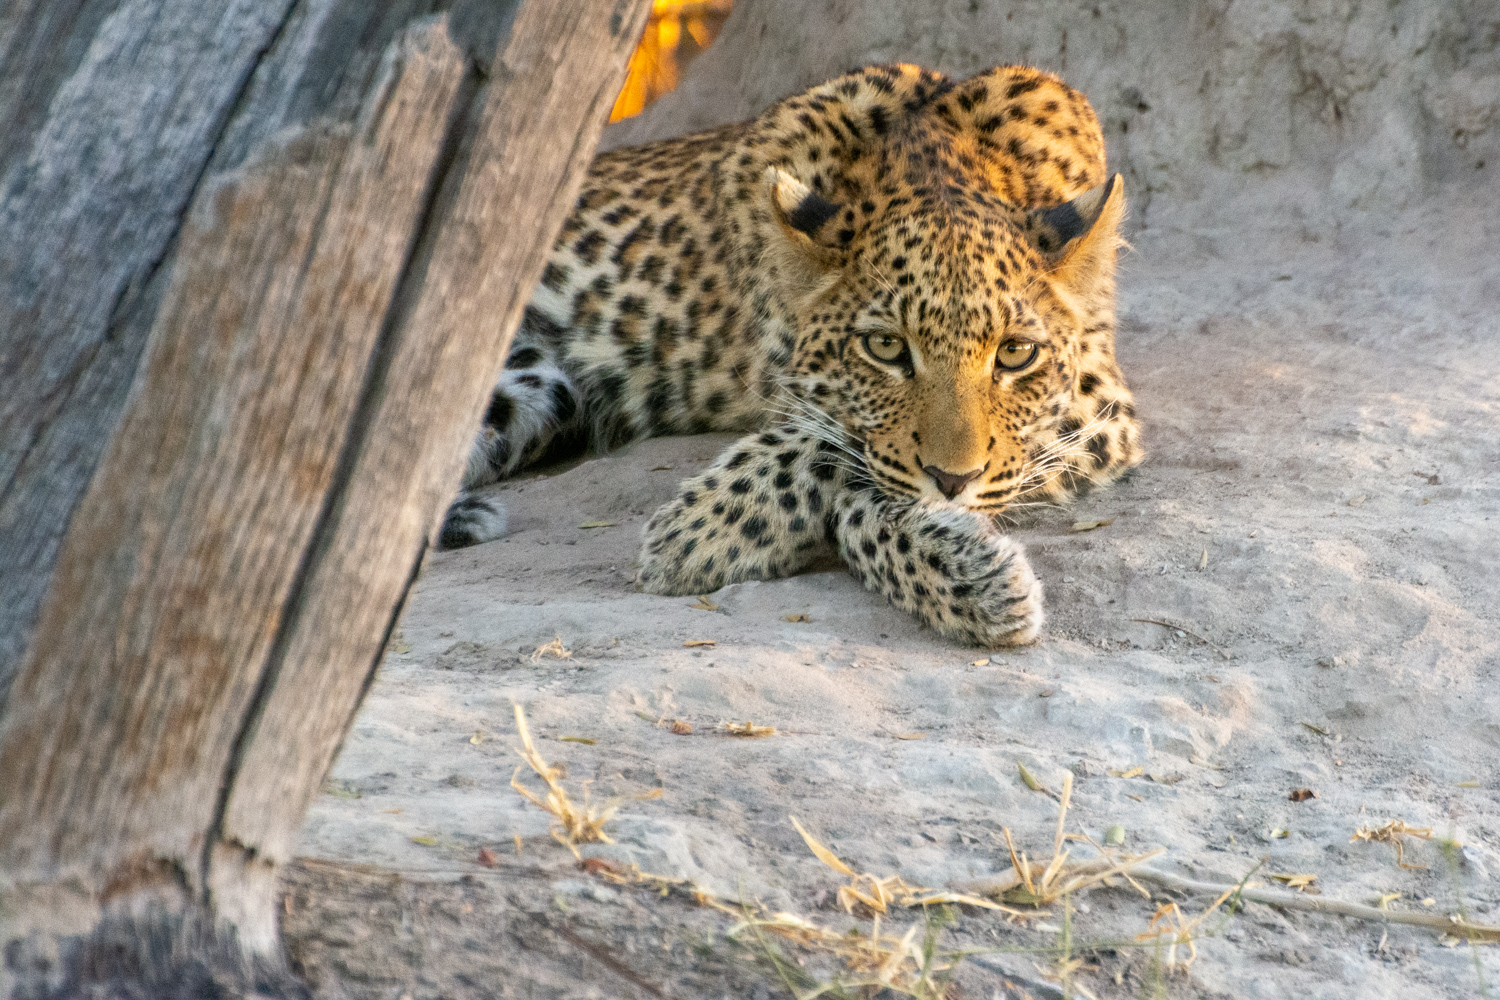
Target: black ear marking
811 212
1073 218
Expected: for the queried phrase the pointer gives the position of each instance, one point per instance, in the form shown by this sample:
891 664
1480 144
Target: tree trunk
260 263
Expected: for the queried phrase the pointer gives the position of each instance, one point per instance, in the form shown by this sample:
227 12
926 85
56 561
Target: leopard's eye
1015 355
885 346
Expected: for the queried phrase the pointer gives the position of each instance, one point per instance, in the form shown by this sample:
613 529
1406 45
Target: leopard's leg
534 404
764 510
950 567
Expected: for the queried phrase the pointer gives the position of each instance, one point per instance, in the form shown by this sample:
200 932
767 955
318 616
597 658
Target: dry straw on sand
1035 884
876 895
746 728
904 963
1059 877
1392 833
572 824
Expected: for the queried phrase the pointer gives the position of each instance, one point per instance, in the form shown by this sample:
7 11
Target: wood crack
325 528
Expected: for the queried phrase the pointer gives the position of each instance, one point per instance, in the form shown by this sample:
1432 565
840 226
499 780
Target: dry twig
1186 631
1319 904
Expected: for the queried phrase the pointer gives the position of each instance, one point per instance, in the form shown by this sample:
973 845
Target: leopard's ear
800 210
1079 238
803 216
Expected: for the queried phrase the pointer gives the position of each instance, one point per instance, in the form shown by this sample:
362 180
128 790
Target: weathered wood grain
99 166
173 577
534 135
325 322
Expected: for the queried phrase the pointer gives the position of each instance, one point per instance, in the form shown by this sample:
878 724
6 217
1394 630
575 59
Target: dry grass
905 962
1031 883
572 824
555 649
1392 833
1178 930
883 955
747 729
873 961
877 895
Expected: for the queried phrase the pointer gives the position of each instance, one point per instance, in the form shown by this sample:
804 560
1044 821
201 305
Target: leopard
897 286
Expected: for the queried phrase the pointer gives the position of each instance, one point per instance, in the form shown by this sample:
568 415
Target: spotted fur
753 277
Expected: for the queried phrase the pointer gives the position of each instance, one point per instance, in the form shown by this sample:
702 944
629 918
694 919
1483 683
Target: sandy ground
1321 503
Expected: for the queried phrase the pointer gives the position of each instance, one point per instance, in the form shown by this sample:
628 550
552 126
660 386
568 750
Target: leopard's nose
951 483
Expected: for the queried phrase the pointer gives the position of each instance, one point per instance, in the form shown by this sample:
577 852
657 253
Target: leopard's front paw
670 561
758 514
952 568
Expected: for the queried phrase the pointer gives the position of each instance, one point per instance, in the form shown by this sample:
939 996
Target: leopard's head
963 341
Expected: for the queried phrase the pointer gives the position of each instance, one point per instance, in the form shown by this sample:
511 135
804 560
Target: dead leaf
1468 784
1029 779
577 739
700 642
487 858
1162 778
1317 729
425 841
1302 794
704 604
1292 881
400 645
909 736
597 524
518 845
477 738
661 468
393 812
1044 693
981 663
1358 500
681 728
595 866
1278 833
1203 561
797 618
1091 525
1134 772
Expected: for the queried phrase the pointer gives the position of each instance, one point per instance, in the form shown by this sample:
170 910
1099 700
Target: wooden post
244 355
